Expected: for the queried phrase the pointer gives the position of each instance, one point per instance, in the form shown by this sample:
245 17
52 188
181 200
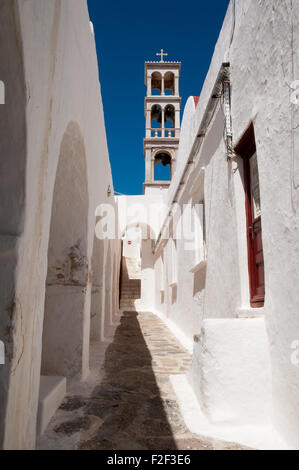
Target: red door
247 150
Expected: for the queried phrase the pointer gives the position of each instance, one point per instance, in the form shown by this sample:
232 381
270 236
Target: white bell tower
162 114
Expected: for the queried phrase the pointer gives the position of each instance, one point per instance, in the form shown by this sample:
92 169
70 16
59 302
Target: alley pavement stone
128 402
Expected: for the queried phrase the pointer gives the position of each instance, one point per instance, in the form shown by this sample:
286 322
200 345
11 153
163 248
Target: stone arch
147 232
168 151
156 83
64 344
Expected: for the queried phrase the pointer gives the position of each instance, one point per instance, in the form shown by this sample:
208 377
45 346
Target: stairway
130 287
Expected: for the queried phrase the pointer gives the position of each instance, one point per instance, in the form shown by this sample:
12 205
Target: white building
55 274
230 291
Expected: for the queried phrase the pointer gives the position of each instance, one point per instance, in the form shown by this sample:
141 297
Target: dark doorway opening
247 150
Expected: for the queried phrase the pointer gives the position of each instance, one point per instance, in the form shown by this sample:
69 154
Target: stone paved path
129 402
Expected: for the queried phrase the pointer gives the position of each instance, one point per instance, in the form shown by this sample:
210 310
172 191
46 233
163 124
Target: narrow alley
149 253
128 402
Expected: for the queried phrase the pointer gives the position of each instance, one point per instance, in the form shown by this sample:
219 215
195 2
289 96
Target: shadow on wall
125 411
199 281
12 192
174 294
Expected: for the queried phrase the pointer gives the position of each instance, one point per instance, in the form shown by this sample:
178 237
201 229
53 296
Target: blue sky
127 34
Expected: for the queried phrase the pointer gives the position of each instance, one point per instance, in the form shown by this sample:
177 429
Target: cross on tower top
162 54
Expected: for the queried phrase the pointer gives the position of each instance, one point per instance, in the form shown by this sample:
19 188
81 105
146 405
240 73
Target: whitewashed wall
260 40
49 66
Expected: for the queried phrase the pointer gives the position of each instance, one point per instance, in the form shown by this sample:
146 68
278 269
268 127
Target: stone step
132 261
131 284
129 294
130 305
129 289
126 294
128 297
127 304
52 391
131 267
130 308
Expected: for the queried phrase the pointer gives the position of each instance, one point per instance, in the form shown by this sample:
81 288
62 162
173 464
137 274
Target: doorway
247 150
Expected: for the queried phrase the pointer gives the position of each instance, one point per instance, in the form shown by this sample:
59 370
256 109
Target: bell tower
162 114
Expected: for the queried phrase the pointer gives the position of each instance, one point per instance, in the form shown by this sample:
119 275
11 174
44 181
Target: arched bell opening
156 120
156 83
169 83
64 344
162 166
169 120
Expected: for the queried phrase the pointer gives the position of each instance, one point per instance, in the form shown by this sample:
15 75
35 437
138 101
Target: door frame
246 148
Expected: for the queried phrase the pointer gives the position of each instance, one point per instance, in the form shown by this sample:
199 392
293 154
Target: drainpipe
221 87
226 107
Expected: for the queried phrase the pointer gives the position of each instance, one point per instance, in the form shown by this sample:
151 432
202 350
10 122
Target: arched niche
64 343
